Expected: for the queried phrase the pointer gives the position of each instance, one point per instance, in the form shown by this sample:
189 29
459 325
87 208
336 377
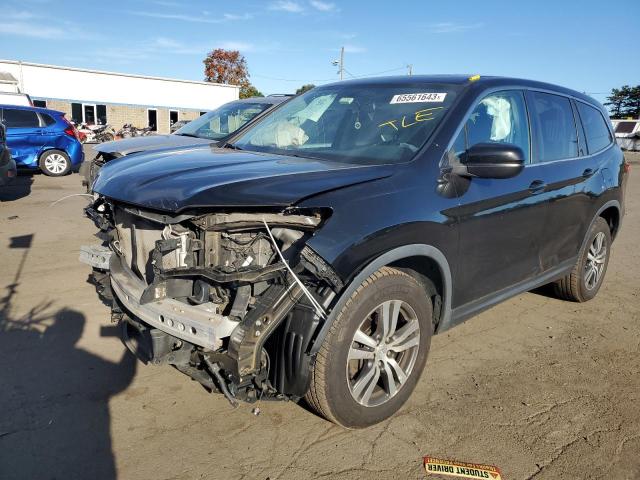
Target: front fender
405 251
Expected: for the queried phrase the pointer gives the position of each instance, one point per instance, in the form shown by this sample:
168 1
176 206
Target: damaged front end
231 298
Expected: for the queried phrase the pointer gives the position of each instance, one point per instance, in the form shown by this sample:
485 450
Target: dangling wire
319 310
72 195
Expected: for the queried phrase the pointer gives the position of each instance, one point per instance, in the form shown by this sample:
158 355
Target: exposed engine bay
232 299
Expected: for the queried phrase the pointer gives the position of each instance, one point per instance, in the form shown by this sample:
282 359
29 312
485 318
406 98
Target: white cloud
323 6
286 6
354 49
193 18
234 16
24 29
231 45
450 27
18 15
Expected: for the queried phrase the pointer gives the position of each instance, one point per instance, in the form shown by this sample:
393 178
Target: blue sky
585 45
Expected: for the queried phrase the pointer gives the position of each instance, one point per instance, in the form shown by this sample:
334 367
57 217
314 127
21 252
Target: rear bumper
8 172
195 324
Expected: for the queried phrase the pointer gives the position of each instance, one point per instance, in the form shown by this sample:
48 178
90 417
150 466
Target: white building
93 96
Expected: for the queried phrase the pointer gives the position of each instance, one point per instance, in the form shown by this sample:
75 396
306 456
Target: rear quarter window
47 119
595 127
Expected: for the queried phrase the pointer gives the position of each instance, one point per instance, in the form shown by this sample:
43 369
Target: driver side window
500 117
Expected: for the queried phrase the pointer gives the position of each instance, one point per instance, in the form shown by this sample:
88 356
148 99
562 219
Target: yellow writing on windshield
423 115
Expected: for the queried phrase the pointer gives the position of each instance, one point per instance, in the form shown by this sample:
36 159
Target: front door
24 135
500 221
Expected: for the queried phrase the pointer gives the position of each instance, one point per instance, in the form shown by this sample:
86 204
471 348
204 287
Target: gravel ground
539 387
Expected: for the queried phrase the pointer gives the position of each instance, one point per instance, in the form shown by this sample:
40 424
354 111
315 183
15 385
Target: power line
326 79
294 79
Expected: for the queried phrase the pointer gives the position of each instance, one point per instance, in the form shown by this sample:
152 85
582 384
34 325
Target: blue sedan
43 139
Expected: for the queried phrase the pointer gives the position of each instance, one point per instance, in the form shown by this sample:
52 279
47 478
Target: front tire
55 163
374 353
585 280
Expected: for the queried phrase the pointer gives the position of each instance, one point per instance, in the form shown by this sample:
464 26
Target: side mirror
492 160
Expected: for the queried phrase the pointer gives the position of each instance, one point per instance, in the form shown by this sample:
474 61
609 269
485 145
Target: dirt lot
540 387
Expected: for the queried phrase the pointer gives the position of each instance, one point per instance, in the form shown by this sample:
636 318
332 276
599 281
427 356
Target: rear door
24 135
500 220
569 174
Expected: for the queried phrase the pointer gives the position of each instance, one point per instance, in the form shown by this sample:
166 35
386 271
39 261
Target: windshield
223 121
353 123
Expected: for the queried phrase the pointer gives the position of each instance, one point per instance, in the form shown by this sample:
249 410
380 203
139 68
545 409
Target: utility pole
340 63
409 69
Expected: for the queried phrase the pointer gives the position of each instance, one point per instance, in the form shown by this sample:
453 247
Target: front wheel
375 351
586 278
55 163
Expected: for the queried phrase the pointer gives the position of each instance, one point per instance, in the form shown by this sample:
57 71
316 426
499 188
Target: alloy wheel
55 163
596 259
383 353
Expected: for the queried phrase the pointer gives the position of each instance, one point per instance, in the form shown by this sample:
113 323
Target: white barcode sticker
418 98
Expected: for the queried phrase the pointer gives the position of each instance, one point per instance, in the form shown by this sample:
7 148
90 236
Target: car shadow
20 187
545 291
55 420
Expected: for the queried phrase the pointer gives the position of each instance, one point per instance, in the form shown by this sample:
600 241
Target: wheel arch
47 148
421 260
611 212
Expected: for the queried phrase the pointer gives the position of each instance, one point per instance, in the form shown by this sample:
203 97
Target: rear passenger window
595 127
20 118
554 129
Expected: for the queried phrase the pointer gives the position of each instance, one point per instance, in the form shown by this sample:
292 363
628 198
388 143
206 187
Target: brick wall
118 115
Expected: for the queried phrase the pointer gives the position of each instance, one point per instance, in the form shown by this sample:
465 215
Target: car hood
207 177
126 146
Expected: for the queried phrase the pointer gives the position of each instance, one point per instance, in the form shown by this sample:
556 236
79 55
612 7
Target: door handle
589 172
537 186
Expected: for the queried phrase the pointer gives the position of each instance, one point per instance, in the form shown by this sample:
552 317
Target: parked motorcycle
128 130
96 133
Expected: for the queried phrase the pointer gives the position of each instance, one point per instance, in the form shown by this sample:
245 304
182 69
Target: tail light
71 129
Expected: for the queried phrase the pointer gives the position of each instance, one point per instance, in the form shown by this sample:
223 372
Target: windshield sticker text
418 97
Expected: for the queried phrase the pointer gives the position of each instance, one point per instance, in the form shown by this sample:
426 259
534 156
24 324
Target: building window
152 117
101 112
40 103
89 112
173 117
76 113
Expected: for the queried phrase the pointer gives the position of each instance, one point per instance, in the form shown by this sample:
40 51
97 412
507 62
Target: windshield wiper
187 135
230 146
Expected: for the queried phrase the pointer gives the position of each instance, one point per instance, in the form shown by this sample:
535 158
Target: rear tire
585 280
375 351
55 163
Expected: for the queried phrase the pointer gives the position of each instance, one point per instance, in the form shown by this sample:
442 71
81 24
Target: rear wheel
584 281
375 351
55 163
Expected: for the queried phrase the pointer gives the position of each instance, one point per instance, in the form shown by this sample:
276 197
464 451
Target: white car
12 98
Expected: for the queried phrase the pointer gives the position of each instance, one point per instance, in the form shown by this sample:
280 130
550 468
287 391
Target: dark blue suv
41 138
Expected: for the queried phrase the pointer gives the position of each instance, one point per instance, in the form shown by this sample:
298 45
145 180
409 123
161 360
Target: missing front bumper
196 324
